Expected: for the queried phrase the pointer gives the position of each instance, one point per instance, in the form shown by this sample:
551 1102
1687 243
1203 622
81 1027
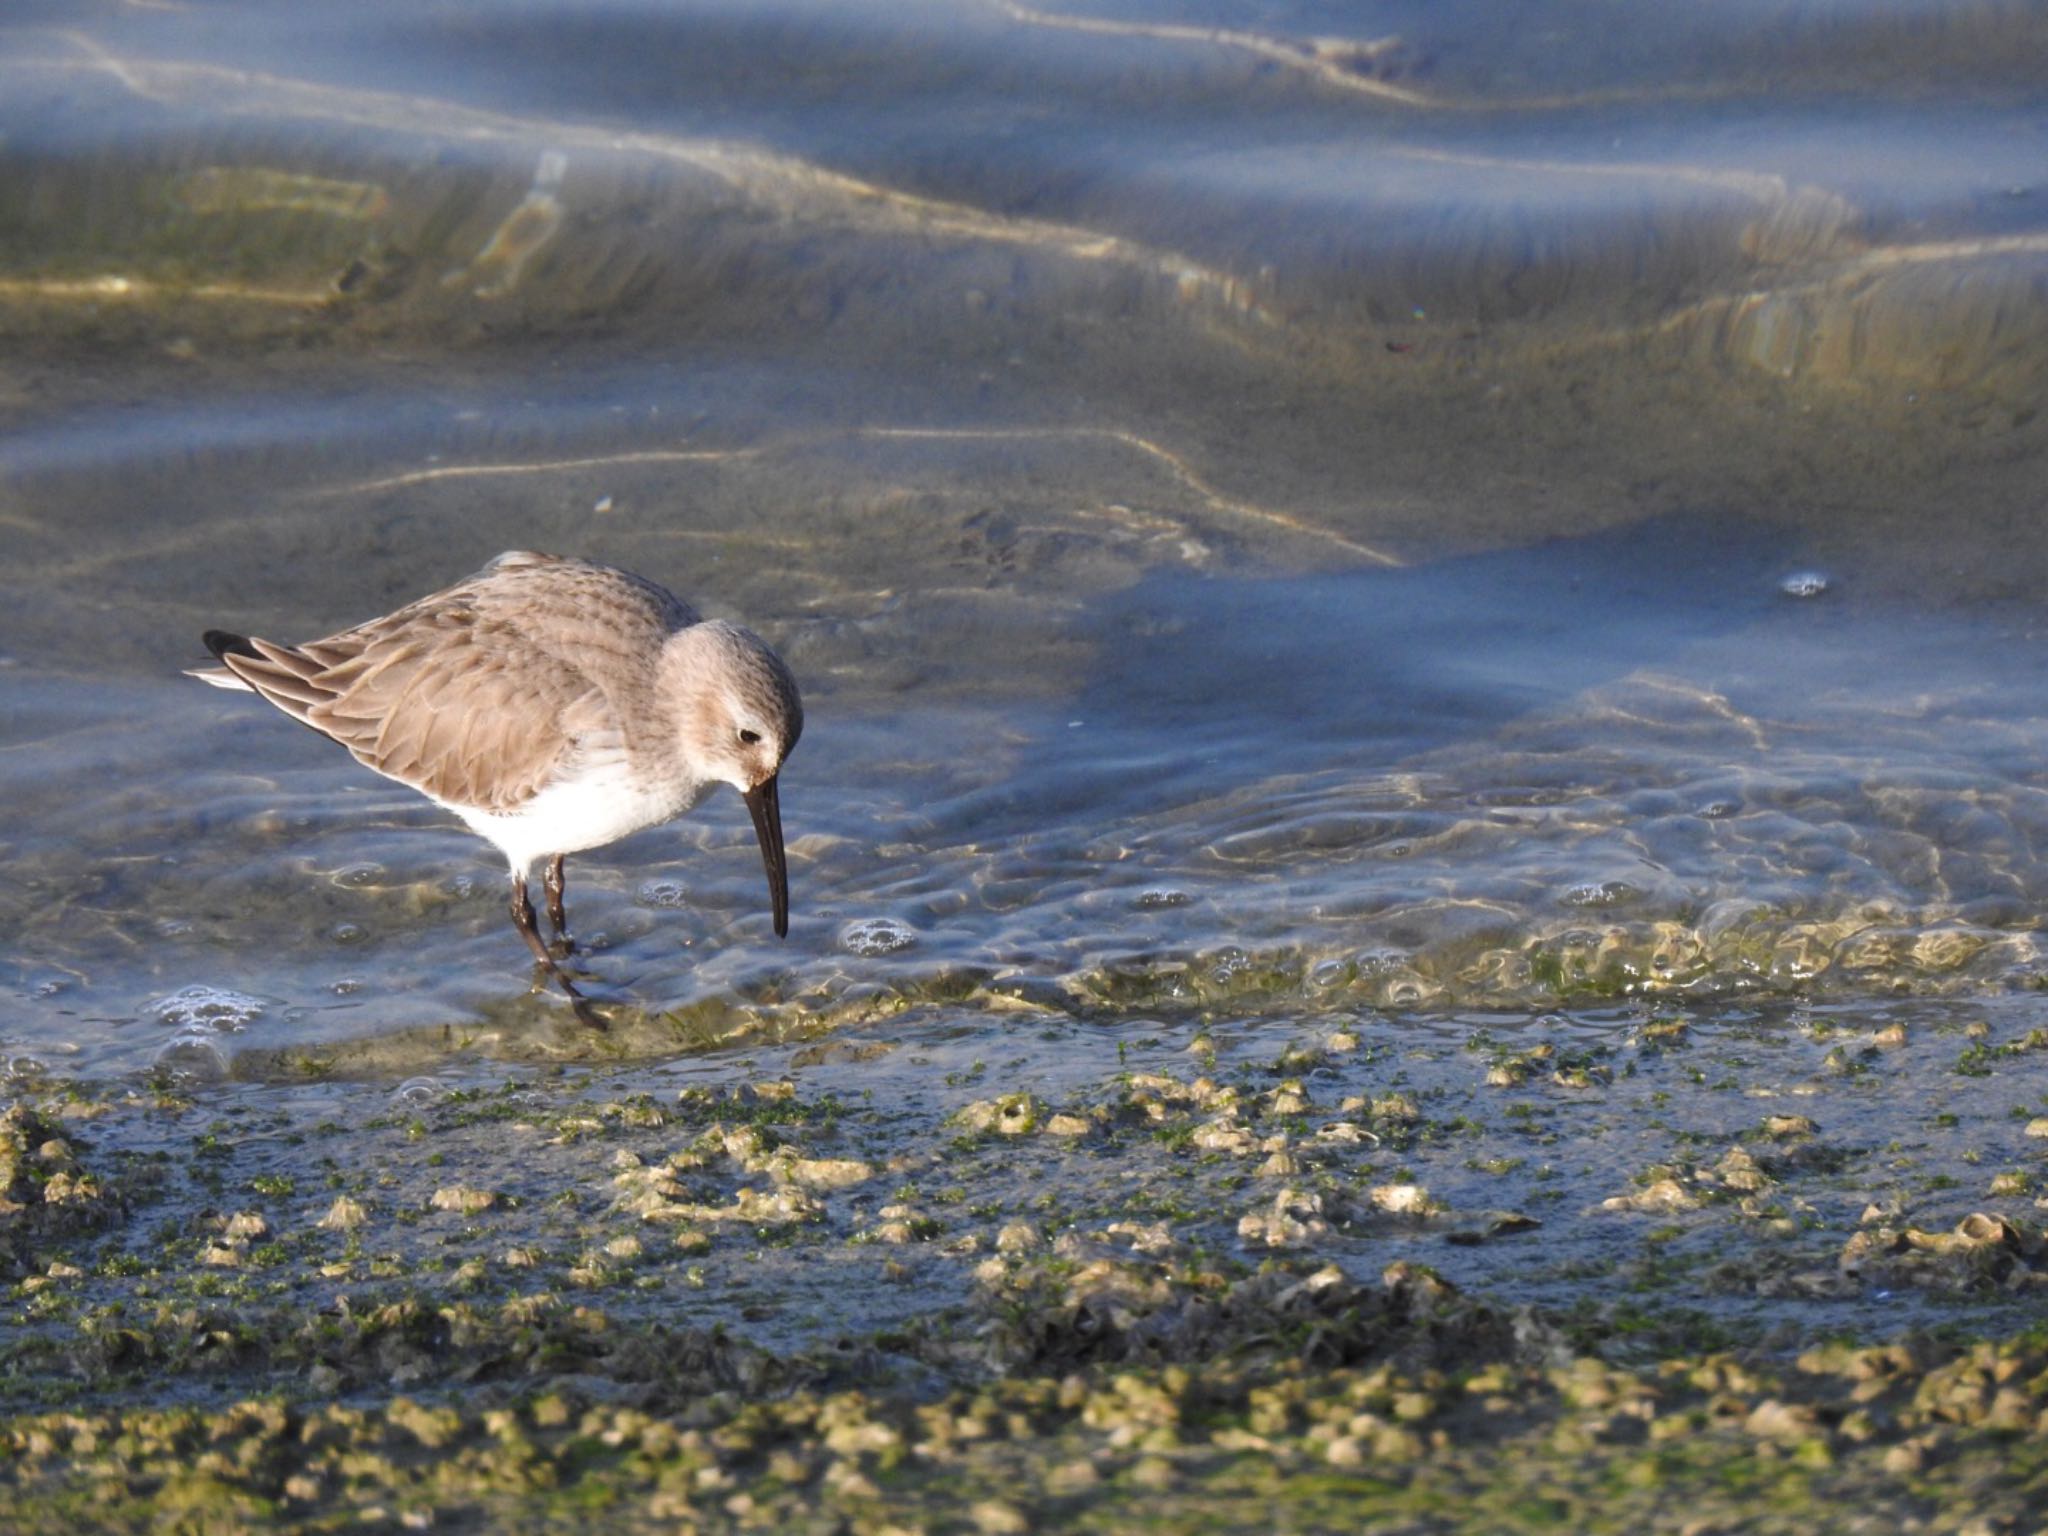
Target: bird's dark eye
751 738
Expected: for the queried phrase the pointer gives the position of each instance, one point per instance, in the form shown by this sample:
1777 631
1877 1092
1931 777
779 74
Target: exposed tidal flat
1665 1268
1417 858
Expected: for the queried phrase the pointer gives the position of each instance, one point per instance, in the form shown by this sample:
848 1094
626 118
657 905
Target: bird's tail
223 645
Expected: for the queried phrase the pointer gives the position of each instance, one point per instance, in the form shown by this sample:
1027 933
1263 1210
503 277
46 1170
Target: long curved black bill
765 801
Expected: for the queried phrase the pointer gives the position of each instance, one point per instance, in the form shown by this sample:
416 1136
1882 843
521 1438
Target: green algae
1938 1434
1216 1276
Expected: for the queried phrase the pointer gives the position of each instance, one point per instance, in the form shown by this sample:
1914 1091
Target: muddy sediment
1180 1272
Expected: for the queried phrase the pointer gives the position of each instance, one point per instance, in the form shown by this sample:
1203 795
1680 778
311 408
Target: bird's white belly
587 810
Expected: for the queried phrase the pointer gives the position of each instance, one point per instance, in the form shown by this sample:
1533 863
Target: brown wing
478 694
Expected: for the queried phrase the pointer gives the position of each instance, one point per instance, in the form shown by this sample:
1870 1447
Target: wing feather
478 695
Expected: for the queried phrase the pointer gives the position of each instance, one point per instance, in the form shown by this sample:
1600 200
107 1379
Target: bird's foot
548 972
587 1014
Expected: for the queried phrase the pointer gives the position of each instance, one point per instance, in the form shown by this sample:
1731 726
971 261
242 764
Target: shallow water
1329 509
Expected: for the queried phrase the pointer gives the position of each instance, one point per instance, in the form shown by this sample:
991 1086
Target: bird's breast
584 810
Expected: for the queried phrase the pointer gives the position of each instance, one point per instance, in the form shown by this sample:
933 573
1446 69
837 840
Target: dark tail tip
222 644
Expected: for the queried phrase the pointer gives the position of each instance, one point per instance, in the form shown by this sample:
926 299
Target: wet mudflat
1419 847
1536 1272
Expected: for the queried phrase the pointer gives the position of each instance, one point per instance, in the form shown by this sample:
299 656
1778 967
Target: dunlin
554 705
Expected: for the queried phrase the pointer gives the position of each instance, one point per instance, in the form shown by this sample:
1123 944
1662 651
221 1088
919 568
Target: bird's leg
522 919
558 919
529 930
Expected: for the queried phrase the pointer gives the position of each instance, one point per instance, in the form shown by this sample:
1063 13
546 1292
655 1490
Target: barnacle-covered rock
1981 1252
44 1189
1095 1300
1664 1194
1014 1114
1294 1219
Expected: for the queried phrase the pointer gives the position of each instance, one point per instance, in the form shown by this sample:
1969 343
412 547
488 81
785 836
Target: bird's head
740 715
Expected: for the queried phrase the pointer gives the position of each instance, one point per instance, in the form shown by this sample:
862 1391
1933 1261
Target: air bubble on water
26 1069
346 933
873 936
1717 809
419 1092
1161 896
1804 584
347 986
1228 965
664 893
192 1053
1327 974
1604 893
200 1007
358 874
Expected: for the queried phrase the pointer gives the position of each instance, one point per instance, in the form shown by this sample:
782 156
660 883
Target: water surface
1347 508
